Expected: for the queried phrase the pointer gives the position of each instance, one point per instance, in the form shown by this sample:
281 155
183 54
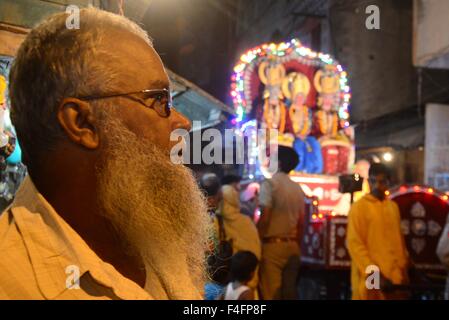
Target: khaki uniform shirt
42 256
286 200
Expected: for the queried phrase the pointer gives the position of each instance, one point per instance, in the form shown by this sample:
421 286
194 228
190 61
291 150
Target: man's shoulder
8 229
10 236
361 204
16 273
392 203
394 206
292 185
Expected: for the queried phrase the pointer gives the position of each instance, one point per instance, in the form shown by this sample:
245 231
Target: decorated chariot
305 96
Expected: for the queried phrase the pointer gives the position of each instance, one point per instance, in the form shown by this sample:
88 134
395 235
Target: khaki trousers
279 271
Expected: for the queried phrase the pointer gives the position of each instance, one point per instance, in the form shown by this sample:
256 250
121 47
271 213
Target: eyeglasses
159 100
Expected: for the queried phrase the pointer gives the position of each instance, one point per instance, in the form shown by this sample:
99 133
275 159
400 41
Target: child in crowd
243 267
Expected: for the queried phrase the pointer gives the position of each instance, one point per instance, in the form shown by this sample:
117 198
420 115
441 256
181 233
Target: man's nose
179 121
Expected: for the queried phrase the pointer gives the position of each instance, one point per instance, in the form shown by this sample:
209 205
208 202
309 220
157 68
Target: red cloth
335 159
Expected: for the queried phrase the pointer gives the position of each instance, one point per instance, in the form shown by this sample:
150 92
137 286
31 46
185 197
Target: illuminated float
305 96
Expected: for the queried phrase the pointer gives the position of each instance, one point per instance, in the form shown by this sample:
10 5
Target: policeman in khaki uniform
282 206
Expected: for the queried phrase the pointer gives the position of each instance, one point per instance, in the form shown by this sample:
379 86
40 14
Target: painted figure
296 87
335 144
271 74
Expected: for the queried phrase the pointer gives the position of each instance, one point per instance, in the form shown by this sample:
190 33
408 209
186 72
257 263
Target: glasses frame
164 114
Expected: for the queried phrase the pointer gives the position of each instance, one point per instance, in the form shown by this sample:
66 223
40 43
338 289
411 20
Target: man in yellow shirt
375 241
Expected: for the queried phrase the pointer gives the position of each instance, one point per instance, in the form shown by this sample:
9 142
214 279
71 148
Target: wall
379 62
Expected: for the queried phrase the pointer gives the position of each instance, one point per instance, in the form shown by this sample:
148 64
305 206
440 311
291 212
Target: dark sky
193 39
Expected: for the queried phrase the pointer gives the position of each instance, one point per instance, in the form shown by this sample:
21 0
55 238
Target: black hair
210 184
288 159
243 264
379 168
230 178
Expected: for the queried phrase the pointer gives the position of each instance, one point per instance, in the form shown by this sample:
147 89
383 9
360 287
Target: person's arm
301 218
264 220
404 260
265 202
356 237
231 203
247 295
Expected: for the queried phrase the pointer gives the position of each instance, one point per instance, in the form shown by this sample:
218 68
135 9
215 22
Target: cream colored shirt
41 253
238 227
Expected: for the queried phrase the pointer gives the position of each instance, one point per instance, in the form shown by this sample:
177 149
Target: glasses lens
162 104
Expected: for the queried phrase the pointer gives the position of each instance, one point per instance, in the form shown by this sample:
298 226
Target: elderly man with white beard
103 214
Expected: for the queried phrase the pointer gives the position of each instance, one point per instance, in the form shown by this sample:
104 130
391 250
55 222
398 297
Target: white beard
157 210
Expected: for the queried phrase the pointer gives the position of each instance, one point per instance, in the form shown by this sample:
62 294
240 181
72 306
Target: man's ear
78 121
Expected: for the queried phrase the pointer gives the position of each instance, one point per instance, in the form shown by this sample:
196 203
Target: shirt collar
53 246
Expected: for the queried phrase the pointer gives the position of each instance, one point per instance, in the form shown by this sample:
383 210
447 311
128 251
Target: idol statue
336 146
271 74
296 87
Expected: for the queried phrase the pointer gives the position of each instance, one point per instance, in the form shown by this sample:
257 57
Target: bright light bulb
388 156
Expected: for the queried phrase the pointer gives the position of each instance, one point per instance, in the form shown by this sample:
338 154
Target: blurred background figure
211 187
219 255
362 168
240 230
283 208
232 180
250 200
243 270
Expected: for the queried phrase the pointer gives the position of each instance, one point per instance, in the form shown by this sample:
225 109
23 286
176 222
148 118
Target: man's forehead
137 62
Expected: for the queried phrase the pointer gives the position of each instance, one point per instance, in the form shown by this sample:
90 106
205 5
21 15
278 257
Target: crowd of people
263 257
273 242
92 110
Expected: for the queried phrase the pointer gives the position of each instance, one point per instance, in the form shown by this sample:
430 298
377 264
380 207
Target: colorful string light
405 189
286 51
